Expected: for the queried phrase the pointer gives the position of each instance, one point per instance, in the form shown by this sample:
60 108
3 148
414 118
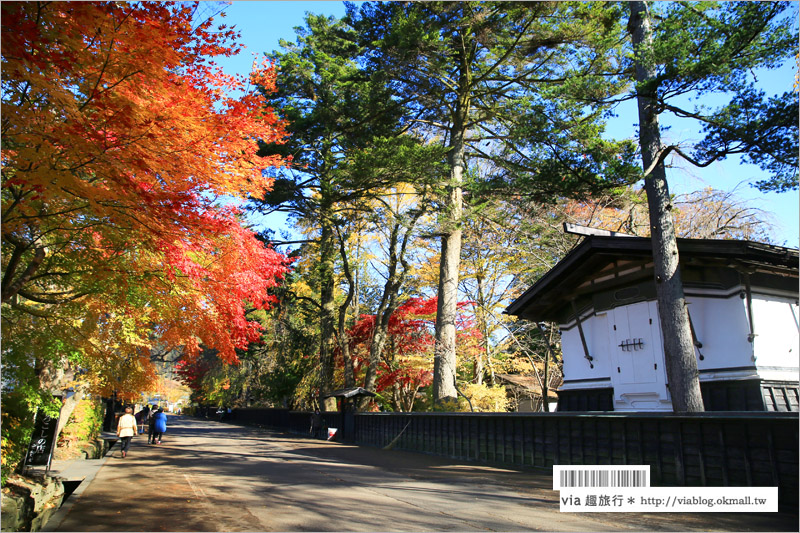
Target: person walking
126 429
151 426
143 417
316 424
159 425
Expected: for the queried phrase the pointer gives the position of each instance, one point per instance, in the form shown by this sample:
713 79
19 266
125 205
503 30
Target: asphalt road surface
209 476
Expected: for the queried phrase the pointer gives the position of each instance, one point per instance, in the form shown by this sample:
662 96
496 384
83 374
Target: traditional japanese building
742 299
526 393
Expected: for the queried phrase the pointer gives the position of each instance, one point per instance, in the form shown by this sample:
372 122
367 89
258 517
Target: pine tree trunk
342 336
327 320
379 337
483 326
444 361
444 366
682 374
349 367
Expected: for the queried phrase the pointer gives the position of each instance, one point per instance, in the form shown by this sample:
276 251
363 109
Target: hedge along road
209 476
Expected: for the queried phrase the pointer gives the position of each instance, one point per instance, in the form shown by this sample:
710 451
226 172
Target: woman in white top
126 429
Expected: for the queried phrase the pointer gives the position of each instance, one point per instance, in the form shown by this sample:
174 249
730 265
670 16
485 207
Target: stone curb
92 468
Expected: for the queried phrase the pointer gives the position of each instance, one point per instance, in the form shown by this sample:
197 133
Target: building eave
542 300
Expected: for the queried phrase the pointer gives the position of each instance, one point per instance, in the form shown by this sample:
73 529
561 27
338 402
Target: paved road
209 476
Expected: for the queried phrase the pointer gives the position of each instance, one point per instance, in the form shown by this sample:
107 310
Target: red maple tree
124 147
407 363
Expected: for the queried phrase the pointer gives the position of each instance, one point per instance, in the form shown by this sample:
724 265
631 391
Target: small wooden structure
347 411
351 392
527 392
742 299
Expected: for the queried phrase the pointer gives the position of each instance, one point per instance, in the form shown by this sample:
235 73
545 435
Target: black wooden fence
293 421
703 449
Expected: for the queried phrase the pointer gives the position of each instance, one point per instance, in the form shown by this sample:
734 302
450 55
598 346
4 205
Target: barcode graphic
571 478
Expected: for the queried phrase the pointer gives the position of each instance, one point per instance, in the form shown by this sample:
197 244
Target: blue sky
263 23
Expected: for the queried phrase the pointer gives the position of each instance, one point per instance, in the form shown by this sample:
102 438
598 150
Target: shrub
84 424
18 412
484 398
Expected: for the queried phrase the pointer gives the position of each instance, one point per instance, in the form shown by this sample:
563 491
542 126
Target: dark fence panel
263 417
298 422
708 449
704 449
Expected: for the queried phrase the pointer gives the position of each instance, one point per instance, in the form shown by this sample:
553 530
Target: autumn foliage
407 362
124 148
191 373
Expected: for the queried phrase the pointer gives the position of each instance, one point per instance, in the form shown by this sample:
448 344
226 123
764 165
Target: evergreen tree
482 77
347 144
699 49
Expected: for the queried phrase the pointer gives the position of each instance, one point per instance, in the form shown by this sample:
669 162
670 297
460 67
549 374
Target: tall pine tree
702 49
347 145
482 78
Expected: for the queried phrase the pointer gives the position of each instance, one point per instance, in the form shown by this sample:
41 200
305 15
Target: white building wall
576 366
777 337
570 348
599 344
721 326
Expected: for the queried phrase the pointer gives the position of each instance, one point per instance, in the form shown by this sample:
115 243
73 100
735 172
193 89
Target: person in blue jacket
159 425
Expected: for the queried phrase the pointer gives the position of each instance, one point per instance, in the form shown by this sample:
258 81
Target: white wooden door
637 354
